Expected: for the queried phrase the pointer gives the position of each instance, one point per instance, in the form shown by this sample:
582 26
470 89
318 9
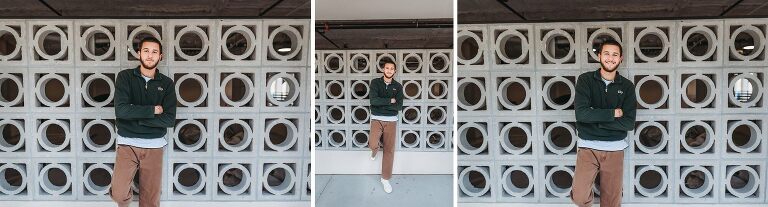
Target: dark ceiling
384 34
508 11
293 9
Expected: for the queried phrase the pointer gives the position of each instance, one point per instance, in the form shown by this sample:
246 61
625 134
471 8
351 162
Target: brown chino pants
149 164
609 165
386 130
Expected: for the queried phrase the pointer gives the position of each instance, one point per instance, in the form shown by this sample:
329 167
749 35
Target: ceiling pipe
385 24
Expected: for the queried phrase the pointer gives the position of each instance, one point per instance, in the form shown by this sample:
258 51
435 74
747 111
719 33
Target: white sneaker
373 156
387 186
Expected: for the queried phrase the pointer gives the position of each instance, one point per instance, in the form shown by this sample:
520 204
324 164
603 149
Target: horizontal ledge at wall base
163 203
406 162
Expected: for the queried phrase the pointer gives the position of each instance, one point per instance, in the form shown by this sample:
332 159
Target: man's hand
392 100
618 113
158 109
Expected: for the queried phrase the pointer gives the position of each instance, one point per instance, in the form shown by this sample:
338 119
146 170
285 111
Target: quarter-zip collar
137 72
597 76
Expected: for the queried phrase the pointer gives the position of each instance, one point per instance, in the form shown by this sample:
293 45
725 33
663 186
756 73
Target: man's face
610 57
389 70
150 55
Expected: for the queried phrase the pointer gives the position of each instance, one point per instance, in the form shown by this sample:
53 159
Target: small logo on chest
160 88
620 92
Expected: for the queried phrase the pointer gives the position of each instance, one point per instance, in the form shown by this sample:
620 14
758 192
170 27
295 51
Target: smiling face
150 55
389 70
610 57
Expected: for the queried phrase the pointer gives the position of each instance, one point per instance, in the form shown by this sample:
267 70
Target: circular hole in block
235 135
337 138
743 136
411 114
12 135
652 137
438 89
360 89
413 63
436 115
515 138
334 89
12 41
514 93
383 59
189 135
517 181
360 138
10 90
410 139
652 44
435 140
359 63
192 89
699 43
99 179
745 90
742 181
234 179
51 42
189 178
412 89
333 63
699 91
279 179
439 63
284 43
13 180
651 181
560 138
283 89
281 134
239 43
99 135
98 90
54 135
99 43
360 114
559 181
471 94
598 37
697 181
55 178
511 46
560 46
653 92
335 114
53 90
138 34
469 50
560 93
698 137
473 138
473 181
747 42
318 140
236 89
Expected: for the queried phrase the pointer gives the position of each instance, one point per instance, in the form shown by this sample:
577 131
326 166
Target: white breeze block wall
342 112
242 129
700 135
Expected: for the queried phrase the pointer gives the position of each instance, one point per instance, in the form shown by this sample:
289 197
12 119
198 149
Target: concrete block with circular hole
473 41
697 181
96 43
306 185
189 179
517 181
285 42
282 89
192 42
563 39
14 88
743 90
476 181
557 91
709 51
233 179
514 92
133 31
239 42
595 33
555 187
55 180
16 133
698 90
44 35
651 181
653 44
698 136
655 90
744 136
512 47
14 32
742 181
282 134
17 180
96 179
653 138
279 179
93 135
517 138
473 93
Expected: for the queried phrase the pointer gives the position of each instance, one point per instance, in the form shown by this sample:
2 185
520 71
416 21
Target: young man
145 106
386 96
605 111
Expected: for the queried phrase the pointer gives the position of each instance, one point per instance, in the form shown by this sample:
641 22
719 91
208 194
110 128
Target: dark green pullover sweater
135 101
595 103
380 95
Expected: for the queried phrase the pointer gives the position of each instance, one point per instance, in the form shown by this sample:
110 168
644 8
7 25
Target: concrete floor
366 190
